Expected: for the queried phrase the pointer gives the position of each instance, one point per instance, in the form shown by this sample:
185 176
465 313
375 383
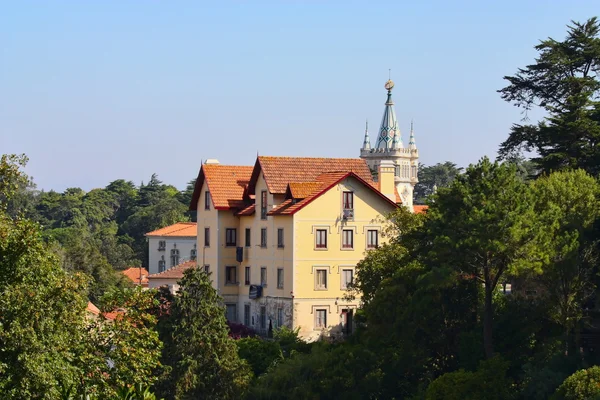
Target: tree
482 227
42 307
435 176
582 385
565 83
205 359
568 206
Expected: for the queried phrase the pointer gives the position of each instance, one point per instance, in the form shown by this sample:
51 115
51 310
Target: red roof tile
301 190
420 209
175 272
180 229
246 211
279 171
138 275
327 181
91 308
226 184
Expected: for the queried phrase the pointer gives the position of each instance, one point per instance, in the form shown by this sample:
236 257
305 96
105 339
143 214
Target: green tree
205 359
482 227
567 204
582 385
432 177
564 82
42 317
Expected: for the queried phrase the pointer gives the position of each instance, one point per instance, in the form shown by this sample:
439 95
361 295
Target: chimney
386 179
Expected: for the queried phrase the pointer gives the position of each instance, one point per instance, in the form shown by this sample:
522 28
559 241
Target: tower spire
389 125
367 141
411 143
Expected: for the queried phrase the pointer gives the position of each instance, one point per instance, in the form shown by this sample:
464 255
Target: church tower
389 147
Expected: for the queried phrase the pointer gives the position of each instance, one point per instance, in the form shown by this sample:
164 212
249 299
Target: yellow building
282 239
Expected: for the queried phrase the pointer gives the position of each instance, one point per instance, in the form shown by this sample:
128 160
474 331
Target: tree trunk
488 312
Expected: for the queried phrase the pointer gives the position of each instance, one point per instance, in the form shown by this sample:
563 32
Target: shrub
582 385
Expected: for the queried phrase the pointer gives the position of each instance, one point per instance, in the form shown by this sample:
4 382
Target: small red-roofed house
138 275
171 245
170 277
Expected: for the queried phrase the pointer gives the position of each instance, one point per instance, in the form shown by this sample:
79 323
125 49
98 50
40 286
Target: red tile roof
226 184
175 272
180 229
301 190
138 275
326 182
246 211
420 209
92 309
279 171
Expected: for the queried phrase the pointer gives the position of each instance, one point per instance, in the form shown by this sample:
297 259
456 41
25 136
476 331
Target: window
263 237
280 237
230 275
413 171
321 279
174 257
231 311
207 200
247 237
321 239
193 253
263 317
279 317
263 276
247 314
372 239
263 204
347 239
161 264
206 269
320 319
247 276
279 278
162 245
230 237
347 277
348 200
206 237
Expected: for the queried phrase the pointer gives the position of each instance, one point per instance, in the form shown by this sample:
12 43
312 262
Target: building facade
171 245
281 240
389 147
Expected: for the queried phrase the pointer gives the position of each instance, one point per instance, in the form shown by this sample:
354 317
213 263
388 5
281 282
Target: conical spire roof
367 141
389 124
411 143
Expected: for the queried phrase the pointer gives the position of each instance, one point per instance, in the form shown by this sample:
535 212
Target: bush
237 331
259 353
582 385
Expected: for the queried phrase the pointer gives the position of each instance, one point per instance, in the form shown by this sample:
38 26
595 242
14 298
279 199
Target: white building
171 246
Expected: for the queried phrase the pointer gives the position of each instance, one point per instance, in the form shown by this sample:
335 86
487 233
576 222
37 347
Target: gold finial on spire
389 85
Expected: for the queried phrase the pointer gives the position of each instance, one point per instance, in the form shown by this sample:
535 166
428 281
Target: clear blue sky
93 91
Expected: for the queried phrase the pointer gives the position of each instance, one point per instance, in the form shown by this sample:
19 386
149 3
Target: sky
94 91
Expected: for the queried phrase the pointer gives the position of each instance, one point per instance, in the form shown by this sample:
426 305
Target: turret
389 124
367 141
411 143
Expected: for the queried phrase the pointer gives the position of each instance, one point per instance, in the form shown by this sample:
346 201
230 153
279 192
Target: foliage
259 353
489 382
204 357
238 331
564 82
582 385
434 177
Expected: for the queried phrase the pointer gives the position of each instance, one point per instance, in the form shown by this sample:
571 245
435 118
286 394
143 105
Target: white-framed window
347 239
348 200
320 318
321 279
247 276
248 237
279 278
347 277
321 238
372 239
230 237
206 237
207 200
162 245
231 312
174 257
279 317
263 237
280 237
206 269
247 314
231 275
263 276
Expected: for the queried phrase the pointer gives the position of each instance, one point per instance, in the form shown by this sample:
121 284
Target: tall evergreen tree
565 82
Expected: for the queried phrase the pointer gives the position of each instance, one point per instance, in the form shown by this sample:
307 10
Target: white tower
389 147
